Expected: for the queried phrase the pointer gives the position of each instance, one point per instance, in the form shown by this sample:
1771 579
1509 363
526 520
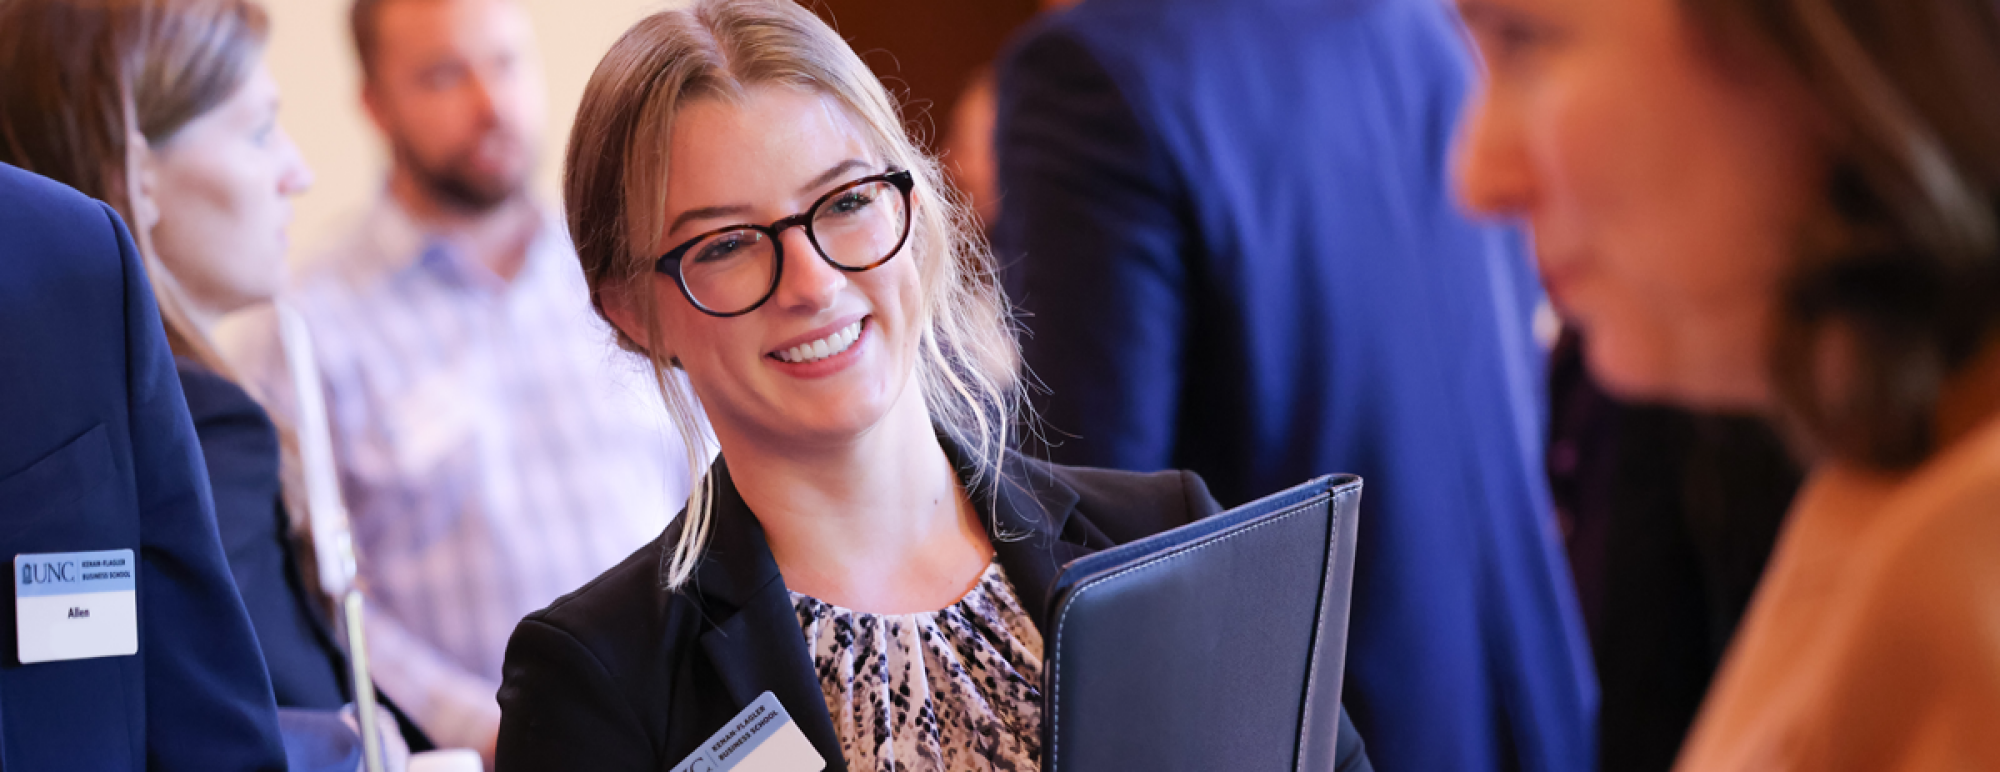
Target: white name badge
760 739
76 605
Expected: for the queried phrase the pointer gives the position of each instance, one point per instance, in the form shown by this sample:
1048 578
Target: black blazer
240 446
625 675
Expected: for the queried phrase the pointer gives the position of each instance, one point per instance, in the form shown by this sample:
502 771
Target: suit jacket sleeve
560 710
1092 248
208 698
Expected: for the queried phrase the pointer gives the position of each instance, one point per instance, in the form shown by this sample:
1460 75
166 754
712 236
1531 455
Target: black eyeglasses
731 271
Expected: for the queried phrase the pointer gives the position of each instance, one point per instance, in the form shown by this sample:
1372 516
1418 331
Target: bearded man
495 451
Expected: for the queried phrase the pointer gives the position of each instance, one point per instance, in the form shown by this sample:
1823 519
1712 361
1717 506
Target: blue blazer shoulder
97 453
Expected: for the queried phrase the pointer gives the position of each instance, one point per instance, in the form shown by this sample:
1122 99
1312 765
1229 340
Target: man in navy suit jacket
97 453
1229 225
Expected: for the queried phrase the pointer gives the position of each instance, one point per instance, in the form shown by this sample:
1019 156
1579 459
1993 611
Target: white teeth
824 347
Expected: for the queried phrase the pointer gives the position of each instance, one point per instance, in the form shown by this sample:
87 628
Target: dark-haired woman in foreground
1792 206
748 209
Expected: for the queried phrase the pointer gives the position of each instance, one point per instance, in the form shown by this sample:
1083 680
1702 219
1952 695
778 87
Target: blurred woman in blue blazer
166 109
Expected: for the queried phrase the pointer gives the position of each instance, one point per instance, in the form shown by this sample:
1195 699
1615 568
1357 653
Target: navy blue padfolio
1218 645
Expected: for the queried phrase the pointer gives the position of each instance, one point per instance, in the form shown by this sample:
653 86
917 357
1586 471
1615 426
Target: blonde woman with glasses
867 551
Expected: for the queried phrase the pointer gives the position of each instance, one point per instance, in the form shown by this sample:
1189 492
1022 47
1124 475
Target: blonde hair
614 193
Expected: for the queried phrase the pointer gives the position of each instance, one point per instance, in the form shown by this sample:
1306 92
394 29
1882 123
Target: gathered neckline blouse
956 688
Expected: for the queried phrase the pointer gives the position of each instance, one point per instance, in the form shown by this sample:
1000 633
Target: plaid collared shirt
496 450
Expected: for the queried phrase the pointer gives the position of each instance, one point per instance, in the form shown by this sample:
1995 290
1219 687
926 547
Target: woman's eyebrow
708 213
833 174
737 210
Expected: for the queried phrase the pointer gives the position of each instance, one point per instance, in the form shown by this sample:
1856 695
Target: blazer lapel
1032 531
756 645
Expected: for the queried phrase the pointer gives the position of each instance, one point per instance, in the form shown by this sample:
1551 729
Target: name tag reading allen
762 738
76 605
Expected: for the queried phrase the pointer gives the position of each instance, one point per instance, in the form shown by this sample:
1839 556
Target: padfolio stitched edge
1147 566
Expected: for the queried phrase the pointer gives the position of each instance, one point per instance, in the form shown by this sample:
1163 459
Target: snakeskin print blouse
958 688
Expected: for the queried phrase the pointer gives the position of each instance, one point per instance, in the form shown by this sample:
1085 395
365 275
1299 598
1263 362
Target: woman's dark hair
1901 288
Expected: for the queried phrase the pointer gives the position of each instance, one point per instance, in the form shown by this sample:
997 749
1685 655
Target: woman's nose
1489 164
297 177
809 282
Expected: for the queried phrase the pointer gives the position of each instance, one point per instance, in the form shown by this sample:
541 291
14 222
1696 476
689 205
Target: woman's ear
622 308
142 168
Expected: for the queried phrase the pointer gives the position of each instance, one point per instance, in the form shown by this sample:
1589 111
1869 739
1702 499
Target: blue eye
726 246
851 202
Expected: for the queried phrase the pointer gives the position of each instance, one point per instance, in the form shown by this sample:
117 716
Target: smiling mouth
820 349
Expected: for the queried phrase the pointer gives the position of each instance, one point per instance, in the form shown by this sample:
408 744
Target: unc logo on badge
76 605
762 738
47 573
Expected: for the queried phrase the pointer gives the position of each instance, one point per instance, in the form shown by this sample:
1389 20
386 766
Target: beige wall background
314 63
